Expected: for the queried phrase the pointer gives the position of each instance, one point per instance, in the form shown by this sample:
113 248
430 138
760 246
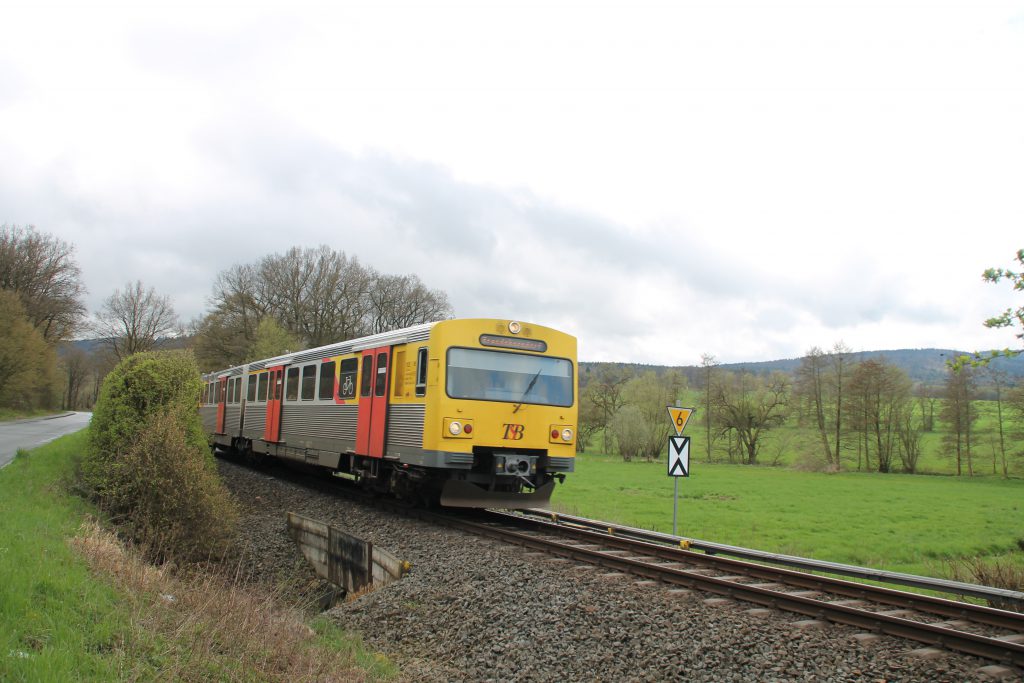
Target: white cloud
662 180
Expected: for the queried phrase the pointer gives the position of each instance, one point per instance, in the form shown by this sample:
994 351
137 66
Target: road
32 433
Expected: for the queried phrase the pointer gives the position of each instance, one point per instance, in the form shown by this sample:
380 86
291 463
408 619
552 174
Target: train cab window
291 391
251 391
308 383
326 381
367 378
381 385
261 394
421 371
347 380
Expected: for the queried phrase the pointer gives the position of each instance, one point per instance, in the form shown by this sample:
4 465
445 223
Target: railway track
994 634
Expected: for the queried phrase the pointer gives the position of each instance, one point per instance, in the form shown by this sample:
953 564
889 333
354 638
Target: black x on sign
678 456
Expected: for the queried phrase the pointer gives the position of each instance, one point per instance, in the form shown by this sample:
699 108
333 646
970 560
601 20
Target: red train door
222 398
373 401
272 429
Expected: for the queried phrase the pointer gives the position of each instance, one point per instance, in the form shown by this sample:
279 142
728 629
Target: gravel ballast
472 609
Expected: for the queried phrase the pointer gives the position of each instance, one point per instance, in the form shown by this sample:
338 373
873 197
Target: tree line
302 298
864 415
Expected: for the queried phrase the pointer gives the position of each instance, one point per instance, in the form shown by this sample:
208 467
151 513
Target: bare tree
959 412
403 300
136 319
879 397
820 381
317 296
748 406
41 269
708 363
1000 381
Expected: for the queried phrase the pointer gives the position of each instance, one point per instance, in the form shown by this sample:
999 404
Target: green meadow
908 523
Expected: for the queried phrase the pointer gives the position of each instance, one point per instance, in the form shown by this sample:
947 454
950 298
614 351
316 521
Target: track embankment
474 609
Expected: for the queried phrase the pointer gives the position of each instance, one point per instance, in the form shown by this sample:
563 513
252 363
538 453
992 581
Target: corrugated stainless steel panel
323 421
405 425
232 412
256 417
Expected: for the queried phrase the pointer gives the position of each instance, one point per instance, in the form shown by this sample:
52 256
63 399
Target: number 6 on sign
679 417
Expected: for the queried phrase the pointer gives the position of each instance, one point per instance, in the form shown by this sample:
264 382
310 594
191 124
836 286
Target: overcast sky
660 179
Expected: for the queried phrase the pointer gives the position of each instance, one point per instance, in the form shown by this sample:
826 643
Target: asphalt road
32 433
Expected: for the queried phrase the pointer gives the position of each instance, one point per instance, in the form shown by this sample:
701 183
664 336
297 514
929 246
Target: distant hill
925 366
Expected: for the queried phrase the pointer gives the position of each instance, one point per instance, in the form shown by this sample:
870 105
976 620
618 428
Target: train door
272 429
222 398
373 401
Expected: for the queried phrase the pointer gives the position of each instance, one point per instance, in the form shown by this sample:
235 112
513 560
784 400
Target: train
478 413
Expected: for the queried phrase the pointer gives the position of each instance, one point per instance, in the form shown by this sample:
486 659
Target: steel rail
983 646
1015 598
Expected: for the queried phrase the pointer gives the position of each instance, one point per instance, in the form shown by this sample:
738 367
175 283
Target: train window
291 392
421 371
261 394
278 381
326 381
308 382
510 377
220 391
231 391
251 394
382 375
238 390
347 381
367 380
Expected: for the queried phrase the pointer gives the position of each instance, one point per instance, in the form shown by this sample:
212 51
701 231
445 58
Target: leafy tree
1011 317
748 406
40 268
135 320
271 340
27 362
634 434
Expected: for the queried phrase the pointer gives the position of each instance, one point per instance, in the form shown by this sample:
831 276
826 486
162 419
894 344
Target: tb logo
513 432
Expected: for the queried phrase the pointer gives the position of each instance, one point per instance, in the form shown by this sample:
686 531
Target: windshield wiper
528 388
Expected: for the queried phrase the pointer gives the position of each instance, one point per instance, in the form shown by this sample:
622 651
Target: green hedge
148 464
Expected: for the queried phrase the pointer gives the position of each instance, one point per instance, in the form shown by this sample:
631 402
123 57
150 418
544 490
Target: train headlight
514 327
561 434
457 428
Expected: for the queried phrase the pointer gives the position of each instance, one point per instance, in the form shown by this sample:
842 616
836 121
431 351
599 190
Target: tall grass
75 604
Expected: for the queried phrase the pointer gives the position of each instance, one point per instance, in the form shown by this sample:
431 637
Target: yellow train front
473 413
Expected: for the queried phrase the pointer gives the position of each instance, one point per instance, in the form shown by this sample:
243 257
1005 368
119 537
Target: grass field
74 605
910 523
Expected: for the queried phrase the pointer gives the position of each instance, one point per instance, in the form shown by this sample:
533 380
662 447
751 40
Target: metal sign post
678 455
